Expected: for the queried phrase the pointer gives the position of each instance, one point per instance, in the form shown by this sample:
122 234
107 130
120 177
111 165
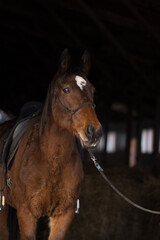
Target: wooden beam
79 43
114 41
117 19
139 119
128 132
157 135
142 20
107 15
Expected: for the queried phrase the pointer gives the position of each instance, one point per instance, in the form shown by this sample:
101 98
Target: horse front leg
60 224
27 224
4 233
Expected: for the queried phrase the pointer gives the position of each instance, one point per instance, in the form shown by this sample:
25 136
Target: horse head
71 97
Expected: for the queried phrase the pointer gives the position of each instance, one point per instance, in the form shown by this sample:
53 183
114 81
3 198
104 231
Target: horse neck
55 139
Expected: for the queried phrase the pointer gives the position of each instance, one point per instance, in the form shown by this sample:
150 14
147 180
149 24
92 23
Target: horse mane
46 109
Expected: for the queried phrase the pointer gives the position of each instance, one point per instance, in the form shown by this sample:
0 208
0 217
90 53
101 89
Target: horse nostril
89 131
92 133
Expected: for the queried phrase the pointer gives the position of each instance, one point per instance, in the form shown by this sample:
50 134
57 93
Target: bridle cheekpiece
75 110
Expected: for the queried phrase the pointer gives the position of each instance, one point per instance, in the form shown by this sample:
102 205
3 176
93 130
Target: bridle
75 110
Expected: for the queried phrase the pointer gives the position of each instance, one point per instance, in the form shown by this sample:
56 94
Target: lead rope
116 190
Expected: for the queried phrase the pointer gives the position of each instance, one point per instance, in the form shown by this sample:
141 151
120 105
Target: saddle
9 142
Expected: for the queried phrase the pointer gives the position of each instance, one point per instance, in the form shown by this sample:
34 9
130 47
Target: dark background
122 36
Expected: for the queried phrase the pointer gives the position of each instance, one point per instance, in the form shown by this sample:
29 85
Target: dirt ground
105 216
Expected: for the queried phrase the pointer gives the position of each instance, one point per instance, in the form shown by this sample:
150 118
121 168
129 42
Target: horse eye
66 90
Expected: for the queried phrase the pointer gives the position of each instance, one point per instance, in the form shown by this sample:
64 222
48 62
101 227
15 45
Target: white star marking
81 82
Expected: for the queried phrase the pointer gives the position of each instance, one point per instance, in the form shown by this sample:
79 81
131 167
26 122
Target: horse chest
55 197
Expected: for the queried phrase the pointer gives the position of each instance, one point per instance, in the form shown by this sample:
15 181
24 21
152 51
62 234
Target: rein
115 189
75 110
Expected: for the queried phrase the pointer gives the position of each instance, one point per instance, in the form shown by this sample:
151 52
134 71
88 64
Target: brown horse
47 170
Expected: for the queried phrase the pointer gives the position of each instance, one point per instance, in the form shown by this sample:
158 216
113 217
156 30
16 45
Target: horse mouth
88 144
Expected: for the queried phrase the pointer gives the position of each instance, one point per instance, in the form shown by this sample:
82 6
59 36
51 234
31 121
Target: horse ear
64 61
85 62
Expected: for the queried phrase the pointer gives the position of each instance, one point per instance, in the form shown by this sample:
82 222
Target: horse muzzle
93 136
